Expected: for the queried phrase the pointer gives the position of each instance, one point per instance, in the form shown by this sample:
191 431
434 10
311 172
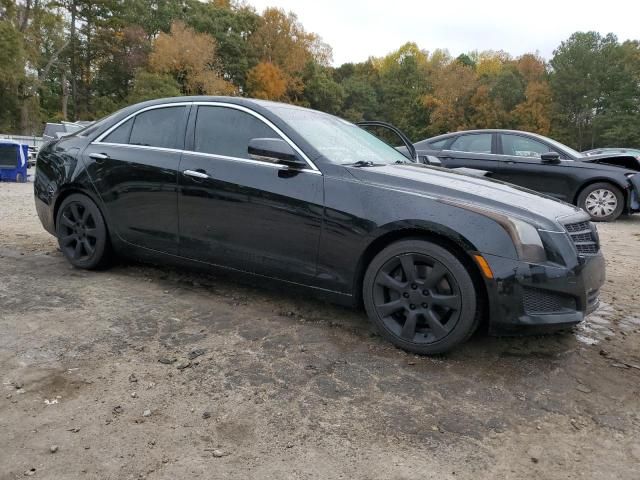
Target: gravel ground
146 372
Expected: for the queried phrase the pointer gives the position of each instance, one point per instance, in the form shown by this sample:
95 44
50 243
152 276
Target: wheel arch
75 189
458 246
592 181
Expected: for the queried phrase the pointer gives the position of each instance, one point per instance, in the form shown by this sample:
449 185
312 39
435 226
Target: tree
403 82
450 100
232 28
580 66
281 40
267 81
147 86
321 91
190 58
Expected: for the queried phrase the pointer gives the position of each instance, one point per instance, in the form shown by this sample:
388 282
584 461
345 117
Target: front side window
475 143
439 145
227 131
519 146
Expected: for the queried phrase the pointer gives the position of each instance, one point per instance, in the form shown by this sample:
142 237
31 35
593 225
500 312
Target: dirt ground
268 385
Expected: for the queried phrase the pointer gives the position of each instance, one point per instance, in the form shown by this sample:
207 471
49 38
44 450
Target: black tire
82 233
19 178
437 300
603 201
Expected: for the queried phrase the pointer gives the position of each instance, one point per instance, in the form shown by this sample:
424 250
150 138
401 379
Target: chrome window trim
152 107
139 147
247 160
266 122
313 168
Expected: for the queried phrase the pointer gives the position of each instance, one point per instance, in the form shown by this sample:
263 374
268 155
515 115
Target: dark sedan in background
605 186
308 199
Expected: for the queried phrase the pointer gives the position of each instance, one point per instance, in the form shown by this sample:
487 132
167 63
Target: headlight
525 238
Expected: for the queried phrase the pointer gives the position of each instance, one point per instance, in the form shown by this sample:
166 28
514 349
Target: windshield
563 148
337 140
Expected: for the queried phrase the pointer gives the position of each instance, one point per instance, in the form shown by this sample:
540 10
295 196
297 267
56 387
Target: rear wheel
19 178
82 233
420 296
602 201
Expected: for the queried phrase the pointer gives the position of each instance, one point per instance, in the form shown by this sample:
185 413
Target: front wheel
82 233
602 201
420 297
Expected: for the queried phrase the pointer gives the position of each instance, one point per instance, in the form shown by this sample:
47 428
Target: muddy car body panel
317 222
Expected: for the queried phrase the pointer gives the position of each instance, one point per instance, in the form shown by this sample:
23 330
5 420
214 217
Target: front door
247 214
525 168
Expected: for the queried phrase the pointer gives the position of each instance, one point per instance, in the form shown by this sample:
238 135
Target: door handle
99 157
199 173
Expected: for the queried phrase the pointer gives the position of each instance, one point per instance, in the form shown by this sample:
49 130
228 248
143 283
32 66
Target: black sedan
606 186
309 200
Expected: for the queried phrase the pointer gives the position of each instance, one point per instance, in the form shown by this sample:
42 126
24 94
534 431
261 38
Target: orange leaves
267 81
190 58
495 91
284 49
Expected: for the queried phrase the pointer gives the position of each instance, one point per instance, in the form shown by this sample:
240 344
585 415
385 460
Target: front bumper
529 297
633 204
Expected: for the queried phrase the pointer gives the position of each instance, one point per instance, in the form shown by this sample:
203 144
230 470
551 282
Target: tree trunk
74 70
65 97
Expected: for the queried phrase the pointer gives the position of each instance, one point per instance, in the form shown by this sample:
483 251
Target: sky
358 29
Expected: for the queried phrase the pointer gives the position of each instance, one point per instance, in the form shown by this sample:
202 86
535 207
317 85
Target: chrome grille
584 237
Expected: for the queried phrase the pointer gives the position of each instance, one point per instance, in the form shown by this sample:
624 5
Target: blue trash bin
13 161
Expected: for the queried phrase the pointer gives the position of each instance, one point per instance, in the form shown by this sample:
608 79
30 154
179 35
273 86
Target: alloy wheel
601 203
79 233
417 298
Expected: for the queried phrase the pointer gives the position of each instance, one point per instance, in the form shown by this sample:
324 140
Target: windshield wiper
362 163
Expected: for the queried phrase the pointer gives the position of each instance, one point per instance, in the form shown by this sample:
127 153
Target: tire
603 202
82 233
19 178
429 310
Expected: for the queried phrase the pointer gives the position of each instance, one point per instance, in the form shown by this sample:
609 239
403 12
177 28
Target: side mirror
429 160
274 150
550 157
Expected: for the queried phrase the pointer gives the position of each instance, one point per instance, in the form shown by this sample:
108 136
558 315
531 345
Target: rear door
238 212
134 168
525 168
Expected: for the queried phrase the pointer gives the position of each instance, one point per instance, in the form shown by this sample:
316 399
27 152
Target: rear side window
227 131
157 128
476 143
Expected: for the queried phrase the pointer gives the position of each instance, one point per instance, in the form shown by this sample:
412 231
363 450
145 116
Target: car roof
484 130
244 101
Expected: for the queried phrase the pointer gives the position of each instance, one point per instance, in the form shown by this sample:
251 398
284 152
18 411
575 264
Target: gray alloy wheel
82 233
602 201
420 297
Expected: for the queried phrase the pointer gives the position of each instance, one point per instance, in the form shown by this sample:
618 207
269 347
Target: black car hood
463 189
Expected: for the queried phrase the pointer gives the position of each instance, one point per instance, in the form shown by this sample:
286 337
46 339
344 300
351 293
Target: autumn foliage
190 58
82 59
